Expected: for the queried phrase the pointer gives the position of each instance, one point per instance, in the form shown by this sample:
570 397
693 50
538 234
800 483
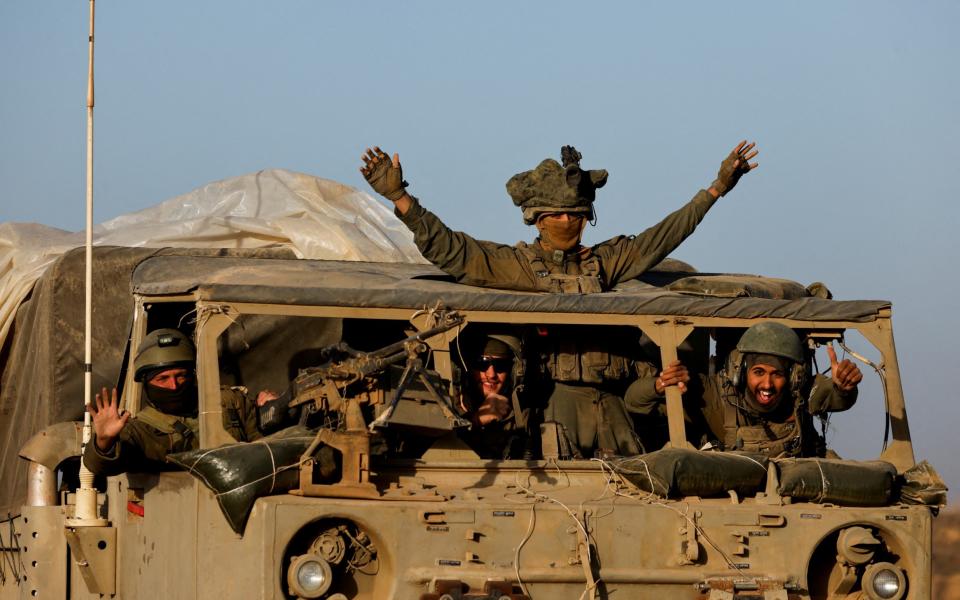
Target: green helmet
163 349
502 341
555 188
772 338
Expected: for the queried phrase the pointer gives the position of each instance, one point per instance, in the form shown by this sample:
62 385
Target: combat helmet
552 187
775 339
163 349
500 342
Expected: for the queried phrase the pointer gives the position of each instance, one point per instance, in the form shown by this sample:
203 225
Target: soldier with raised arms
557 198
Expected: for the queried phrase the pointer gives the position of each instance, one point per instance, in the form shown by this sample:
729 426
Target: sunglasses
500 365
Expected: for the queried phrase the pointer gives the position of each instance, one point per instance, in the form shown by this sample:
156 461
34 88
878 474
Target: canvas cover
338 283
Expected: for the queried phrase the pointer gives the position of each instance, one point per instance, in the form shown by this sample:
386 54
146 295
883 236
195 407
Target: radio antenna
86 508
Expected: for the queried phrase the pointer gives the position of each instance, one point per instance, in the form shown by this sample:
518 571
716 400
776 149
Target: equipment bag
238 474
675 472
834 481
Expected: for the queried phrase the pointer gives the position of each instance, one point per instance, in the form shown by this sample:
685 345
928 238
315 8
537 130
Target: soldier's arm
468 260
239 414
120 457
839 391
626 258
826 397
646 394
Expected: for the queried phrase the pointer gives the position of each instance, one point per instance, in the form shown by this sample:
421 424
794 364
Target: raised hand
108 420
734 166
845 374
494 408
383 174
675 374
266 396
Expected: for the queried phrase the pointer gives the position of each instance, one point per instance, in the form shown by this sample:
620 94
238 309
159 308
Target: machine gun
408 399
412 398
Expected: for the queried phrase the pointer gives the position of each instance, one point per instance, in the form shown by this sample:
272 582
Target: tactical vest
583 359
183 432
550 276
795 437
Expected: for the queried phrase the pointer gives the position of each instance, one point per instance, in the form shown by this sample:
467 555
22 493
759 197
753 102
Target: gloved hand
734 166
384 175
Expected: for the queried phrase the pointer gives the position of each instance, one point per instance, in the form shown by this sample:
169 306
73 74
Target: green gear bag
834 481
677 472
238 474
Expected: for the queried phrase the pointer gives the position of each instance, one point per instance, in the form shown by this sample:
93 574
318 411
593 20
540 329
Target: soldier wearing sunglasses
490 398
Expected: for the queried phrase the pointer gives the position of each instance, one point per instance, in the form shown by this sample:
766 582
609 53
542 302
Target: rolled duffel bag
238 474
674 472
833 481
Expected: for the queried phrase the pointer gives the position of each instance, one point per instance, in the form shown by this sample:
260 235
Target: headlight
884 581
309 576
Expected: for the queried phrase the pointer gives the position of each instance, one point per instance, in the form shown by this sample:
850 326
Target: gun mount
409 399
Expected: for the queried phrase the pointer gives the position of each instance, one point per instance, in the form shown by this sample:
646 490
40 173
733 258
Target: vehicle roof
413 286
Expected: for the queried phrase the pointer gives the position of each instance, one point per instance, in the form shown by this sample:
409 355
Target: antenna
86 508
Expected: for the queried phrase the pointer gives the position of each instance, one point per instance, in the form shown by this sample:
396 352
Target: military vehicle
445 524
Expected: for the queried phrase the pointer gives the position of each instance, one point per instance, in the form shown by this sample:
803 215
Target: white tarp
316 218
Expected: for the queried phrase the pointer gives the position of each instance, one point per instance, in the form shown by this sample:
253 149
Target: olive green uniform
143 443
239 414
529 267
500 440
146 439
719 418
588 374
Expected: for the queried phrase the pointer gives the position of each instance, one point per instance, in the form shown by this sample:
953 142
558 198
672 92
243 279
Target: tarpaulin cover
268 214
314 217
921 484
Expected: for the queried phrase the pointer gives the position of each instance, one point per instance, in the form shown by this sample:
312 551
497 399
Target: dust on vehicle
339 506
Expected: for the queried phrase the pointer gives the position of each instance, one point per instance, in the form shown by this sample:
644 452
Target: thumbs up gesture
845 374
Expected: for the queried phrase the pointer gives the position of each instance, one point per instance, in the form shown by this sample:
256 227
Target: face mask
181 402
561 234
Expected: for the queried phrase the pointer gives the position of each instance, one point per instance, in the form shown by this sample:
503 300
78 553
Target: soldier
491 399
167 420
558 200
763 401
588 374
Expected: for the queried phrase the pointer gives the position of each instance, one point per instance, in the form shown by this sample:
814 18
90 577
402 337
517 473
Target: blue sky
853 106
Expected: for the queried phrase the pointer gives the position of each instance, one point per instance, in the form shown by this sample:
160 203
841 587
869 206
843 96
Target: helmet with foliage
552 187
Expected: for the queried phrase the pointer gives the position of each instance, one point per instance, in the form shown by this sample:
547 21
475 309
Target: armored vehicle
441 523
